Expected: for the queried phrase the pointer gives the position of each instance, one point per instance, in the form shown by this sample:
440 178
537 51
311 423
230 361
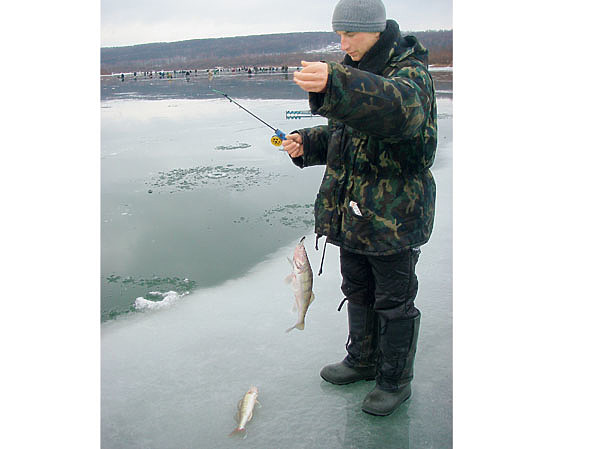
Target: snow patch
167 300
331 48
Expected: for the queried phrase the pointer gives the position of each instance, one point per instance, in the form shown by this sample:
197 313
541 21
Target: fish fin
258 403
312 298
288 278
238 431
290 261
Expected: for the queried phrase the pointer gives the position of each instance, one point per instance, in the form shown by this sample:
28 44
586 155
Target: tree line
261 50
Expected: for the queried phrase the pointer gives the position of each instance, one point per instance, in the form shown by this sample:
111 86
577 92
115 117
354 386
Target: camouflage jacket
377 196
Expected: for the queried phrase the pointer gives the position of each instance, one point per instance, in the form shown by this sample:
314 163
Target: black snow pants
387 284
383 321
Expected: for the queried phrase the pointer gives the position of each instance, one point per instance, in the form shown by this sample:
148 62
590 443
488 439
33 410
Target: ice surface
172 378
173 372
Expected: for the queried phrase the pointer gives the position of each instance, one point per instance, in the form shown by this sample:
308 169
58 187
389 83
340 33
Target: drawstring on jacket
342 304
321 269
323 257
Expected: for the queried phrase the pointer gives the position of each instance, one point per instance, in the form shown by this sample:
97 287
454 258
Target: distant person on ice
376 200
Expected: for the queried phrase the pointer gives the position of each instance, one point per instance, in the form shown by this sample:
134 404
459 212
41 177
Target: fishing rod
279 136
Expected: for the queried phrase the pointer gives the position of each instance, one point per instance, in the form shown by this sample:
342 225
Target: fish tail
238 431
299 326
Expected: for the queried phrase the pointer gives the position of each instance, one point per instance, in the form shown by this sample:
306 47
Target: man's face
356 43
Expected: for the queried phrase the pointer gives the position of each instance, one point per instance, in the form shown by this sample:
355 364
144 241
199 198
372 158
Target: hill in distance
260 50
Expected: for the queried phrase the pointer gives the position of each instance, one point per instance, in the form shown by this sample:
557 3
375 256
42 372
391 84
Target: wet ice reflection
194 301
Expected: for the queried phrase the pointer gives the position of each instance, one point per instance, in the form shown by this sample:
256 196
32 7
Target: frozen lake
199 213
193 194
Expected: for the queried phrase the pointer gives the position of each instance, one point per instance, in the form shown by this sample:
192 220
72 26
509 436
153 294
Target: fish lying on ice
301 279
245 408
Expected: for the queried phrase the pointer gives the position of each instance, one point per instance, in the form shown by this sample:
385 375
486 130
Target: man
376 200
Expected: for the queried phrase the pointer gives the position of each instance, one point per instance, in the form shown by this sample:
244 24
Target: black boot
360 363
398 346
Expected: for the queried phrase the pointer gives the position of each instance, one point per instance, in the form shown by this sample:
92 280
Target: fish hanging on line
301 279
245 409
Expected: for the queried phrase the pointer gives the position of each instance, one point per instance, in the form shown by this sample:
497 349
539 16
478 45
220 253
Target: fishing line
279 136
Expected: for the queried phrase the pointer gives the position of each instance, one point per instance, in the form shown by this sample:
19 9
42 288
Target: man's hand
313 77
293 145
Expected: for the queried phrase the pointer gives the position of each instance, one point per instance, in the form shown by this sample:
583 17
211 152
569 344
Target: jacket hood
391 45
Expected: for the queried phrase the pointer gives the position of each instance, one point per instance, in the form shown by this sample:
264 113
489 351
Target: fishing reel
278 138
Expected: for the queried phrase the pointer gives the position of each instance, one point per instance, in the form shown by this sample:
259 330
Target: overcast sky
129 22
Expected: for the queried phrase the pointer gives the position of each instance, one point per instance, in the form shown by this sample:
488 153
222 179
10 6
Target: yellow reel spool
276 141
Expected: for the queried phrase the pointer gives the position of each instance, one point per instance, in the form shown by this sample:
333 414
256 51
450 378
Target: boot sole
346 383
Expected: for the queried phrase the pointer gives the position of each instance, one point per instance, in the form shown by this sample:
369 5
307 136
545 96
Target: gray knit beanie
359 15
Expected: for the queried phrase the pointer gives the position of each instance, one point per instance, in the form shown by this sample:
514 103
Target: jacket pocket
370 232
358 227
